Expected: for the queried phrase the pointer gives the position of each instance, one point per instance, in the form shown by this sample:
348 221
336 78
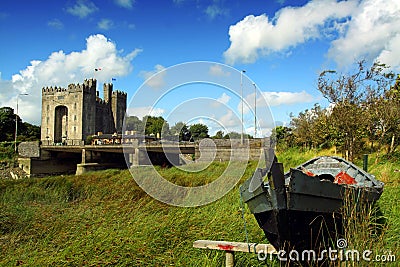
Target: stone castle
70 115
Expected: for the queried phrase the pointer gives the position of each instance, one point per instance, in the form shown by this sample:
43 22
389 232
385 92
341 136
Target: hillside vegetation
104 218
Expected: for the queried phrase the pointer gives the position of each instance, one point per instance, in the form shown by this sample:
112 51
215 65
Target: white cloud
55 24
287 98
273 99
125 3
224 99
229 120
140 112
373 32
216 70
259 35
391 54
359 29
215 10
61 69
82 8
105 24
153 80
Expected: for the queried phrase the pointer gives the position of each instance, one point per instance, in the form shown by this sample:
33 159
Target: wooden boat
301 208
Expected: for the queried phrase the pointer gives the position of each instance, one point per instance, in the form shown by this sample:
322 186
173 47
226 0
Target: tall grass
105 219
364 227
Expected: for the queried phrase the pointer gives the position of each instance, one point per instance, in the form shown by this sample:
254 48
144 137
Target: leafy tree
283 136
236 135
355 88
350 95
156 125
384 117
180 129
133 123
28 132
218 135
198 131
312 128
7 124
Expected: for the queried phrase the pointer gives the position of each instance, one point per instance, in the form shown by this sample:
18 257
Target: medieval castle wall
71 114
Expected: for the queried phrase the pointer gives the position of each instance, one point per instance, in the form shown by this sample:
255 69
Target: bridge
127 148
45 159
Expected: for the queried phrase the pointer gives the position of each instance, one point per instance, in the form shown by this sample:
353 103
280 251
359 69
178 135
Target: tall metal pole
241 87
255 110
16 125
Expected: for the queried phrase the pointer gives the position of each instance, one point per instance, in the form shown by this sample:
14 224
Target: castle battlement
51 90
89 86
119 93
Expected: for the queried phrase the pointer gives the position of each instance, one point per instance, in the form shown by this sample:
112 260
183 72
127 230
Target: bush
7 150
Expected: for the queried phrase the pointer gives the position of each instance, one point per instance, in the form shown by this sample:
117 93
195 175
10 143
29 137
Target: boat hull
302 208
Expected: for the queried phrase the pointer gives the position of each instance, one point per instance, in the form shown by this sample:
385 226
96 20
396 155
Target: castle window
74 117
48 107
47 119
75 106
74 128
60 97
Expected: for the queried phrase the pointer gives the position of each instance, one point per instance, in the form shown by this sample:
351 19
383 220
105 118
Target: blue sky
282 45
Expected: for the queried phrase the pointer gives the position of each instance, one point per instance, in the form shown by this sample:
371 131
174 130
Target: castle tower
107 92
118 107
70 115
89 108
65 117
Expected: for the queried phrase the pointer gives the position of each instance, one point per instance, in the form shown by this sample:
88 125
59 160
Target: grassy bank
104 218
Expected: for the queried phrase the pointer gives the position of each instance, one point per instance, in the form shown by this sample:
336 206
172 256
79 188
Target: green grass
105 219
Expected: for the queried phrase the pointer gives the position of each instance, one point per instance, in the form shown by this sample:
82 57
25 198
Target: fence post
229 259
365 162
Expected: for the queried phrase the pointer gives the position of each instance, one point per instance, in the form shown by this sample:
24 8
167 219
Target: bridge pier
83 156
134 157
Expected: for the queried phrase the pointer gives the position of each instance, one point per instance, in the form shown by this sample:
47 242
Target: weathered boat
301 208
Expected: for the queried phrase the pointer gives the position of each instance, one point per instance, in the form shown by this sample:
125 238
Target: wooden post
392 144
229 259
365 162
231 247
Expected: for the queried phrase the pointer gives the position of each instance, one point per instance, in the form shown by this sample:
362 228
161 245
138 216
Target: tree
350 95
28 132
156 125
283 136
358 87
133 123
235 135
198 131
218 135
384 117
180 129
7 124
